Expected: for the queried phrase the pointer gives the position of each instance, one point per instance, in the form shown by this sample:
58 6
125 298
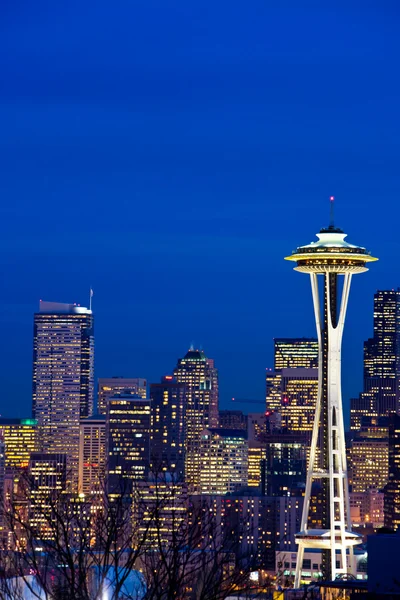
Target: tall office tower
293 353
381 361
63 352
289 354
369 463
92 455
285 464
112 386
223 455
299 392
168 411
232 419
20 440
256 455
48 473
293 393
3 529
128 430
200 377
332 258
256 432
392 489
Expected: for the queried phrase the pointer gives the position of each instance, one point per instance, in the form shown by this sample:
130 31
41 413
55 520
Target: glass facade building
199 375
111 386
128 430
20 440
63 361
168 411
380 396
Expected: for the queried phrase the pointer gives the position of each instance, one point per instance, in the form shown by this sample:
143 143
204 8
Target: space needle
336 261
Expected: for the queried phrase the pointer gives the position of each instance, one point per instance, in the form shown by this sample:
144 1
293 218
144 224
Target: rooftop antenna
90 298
332 219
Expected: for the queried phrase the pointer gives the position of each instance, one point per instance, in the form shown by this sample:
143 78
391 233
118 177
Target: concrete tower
332 258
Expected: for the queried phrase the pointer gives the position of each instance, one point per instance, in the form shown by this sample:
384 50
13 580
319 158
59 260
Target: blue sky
170 154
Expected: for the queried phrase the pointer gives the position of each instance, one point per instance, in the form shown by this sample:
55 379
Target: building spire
332 217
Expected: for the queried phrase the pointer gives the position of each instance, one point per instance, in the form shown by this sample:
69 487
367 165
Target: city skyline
24 410
187 159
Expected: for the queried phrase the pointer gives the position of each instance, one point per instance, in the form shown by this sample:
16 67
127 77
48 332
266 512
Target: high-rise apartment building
293 353
112 386
20 440
200 377
381 361
224 460
168 410
92 455
63 354
128 430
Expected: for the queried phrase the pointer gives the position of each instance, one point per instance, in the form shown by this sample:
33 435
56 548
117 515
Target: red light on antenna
332 198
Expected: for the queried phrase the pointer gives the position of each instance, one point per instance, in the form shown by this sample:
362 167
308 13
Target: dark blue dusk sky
170 154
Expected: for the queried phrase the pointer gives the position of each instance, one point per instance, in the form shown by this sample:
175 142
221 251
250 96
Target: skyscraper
392 490
128 431
92 455
111 386
291 389
200 377
330 257
63 355
48 473
285 464
381 361
224 460
292 353
20 440
168 409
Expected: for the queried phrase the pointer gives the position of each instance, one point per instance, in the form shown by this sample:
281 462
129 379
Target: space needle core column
331 256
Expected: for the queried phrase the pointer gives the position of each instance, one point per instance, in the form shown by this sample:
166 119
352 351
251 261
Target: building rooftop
62 308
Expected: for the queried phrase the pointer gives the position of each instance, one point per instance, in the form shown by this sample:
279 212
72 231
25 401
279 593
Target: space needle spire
327 261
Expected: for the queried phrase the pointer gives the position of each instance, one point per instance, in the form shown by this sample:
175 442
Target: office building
331 258
168 410
160 511
369 463
224 461
293 353
20 440
380 396
367 508
112 386
256 427
392 489
256 434
293 392
92 455
285 464
256 458
232 419
63 353
199 375
128 430
48 476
